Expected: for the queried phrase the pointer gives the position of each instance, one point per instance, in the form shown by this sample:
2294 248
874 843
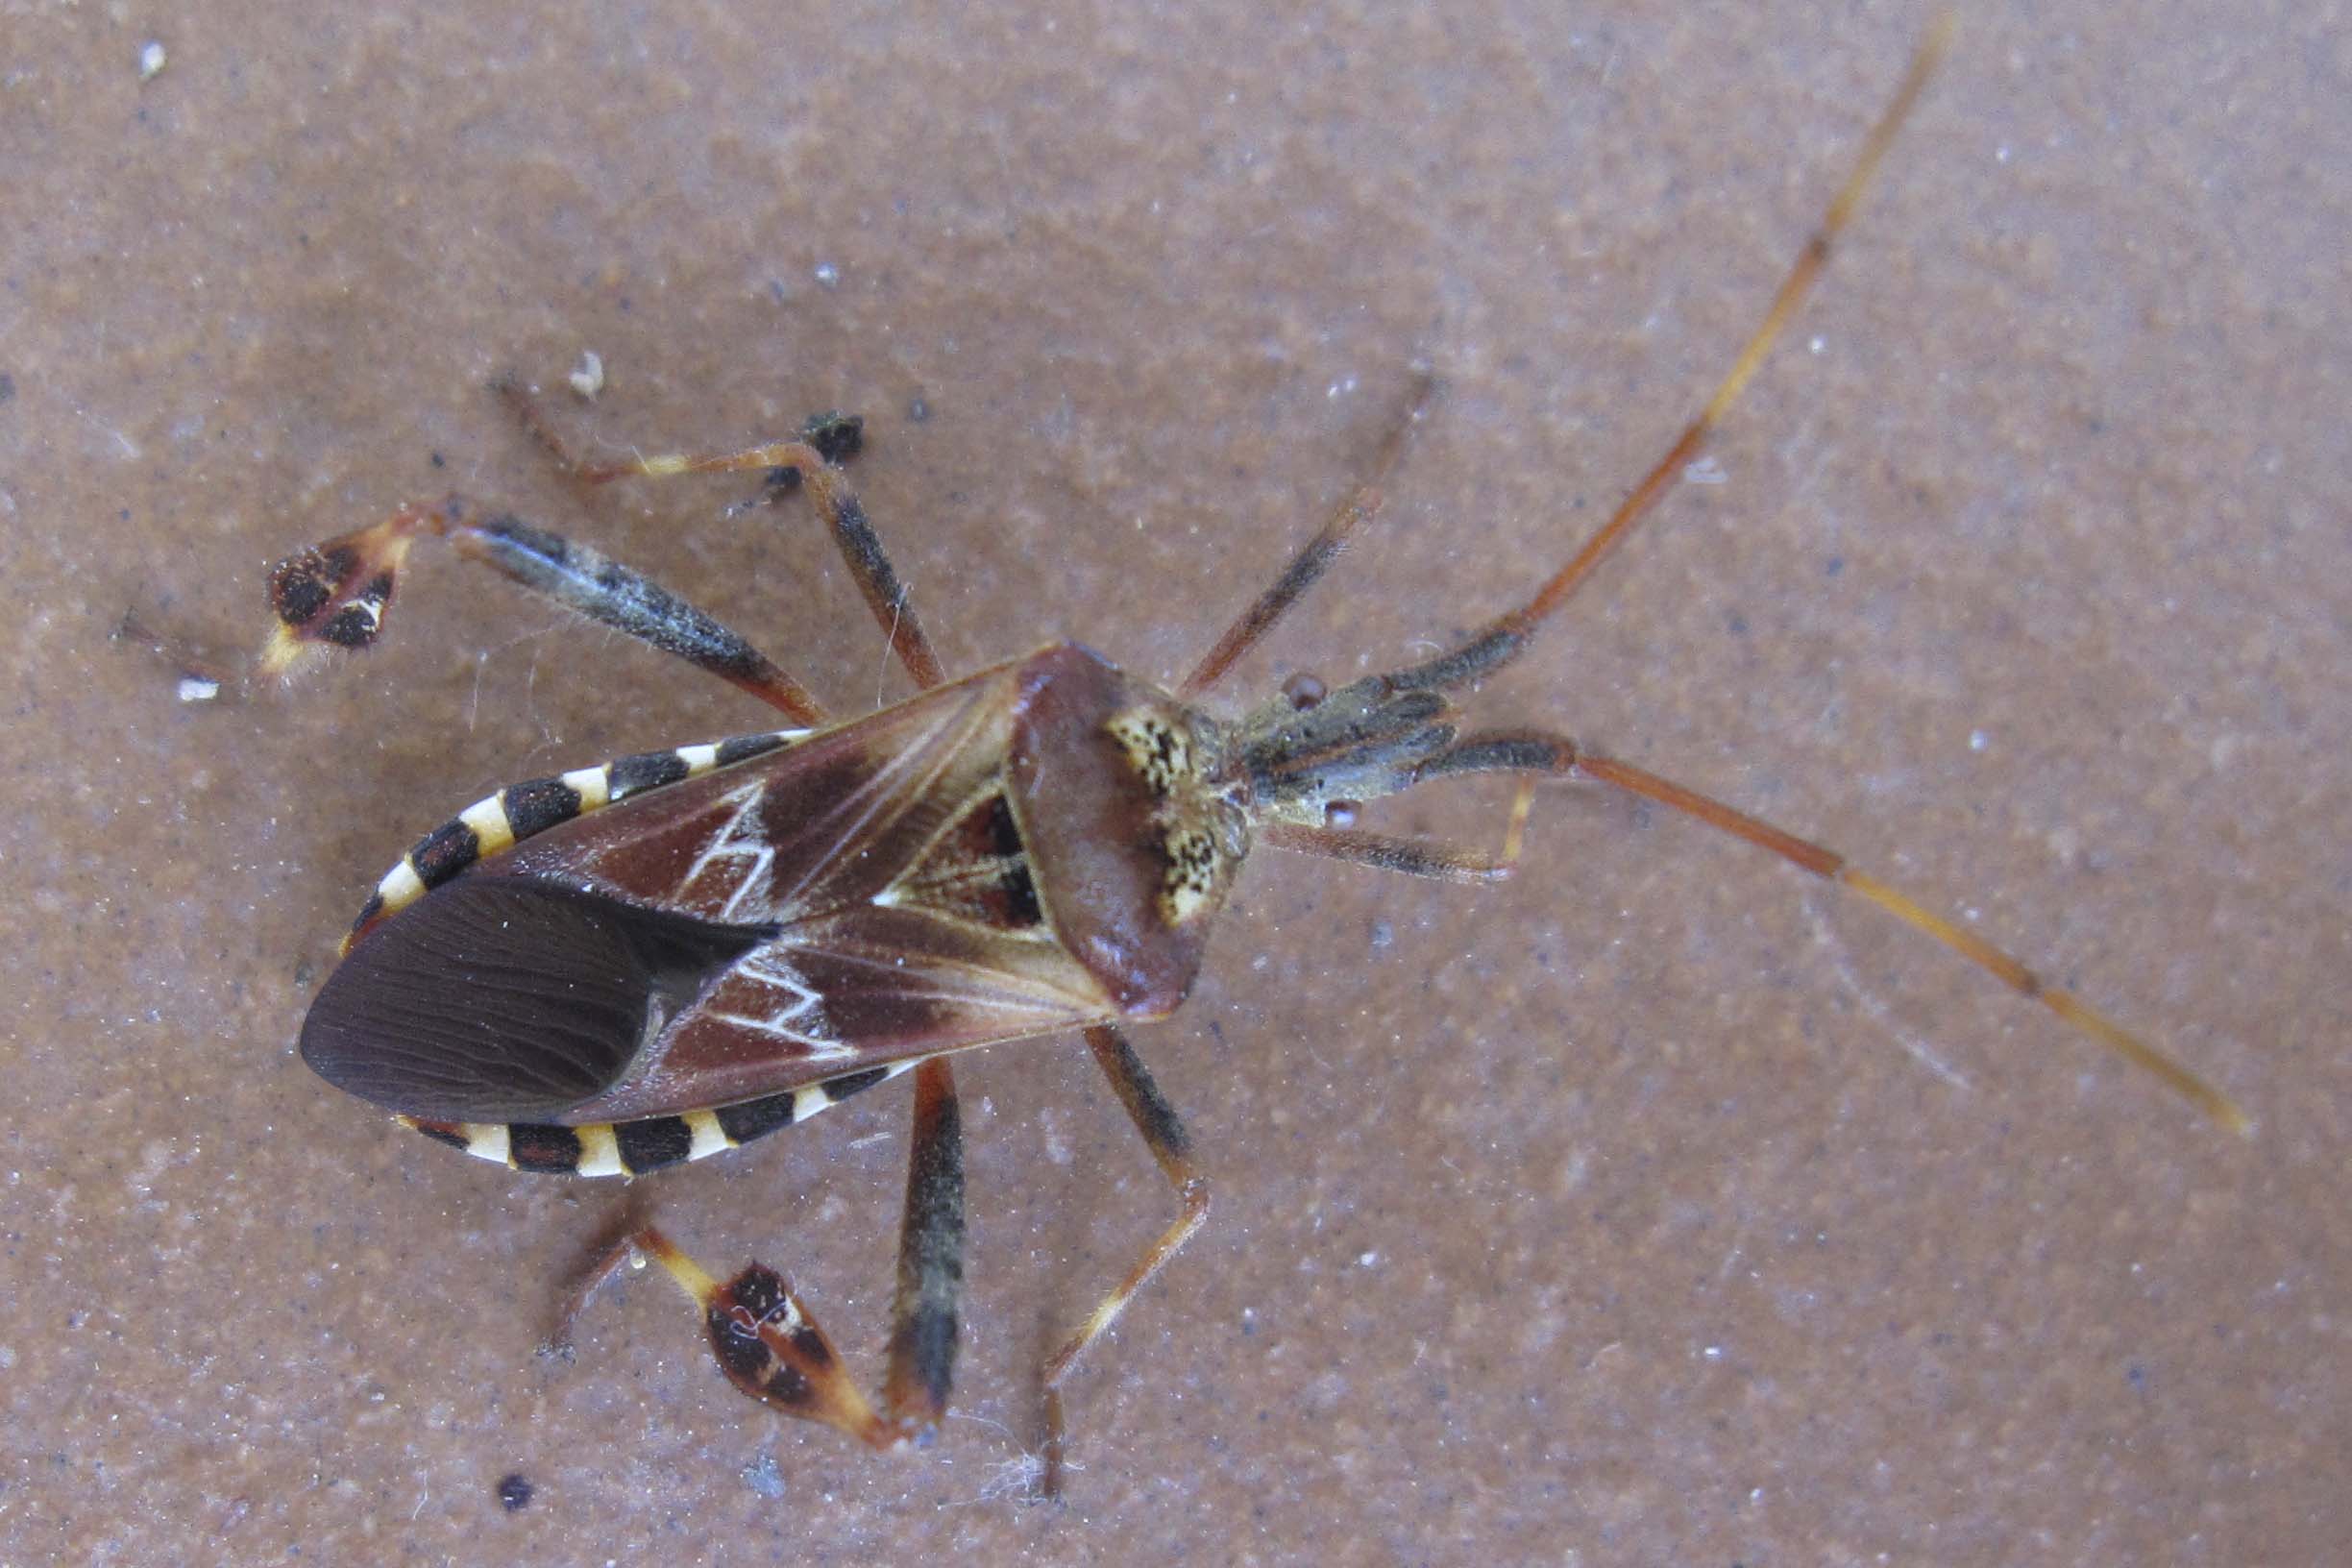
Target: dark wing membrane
505 999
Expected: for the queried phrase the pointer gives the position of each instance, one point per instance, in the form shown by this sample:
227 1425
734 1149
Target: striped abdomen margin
492 826
632 1148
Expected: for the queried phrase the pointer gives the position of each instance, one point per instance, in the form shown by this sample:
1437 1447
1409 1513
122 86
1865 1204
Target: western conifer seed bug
629 965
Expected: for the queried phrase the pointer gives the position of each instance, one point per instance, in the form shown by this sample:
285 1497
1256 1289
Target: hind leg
770 1345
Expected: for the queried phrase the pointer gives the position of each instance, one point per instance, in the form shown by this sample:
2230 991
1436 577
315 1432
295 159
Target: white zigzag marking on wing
768 969
741 839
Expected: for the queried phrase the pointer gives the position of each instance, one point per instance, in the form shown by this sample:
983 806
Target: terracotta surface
1658 1207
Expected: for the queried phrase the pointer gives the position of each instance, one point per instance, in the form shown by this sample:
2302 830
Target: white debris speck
827 273
197 689
152 59
1978 740
589 379
1818 345
1369 1259
1713 1353
1706 471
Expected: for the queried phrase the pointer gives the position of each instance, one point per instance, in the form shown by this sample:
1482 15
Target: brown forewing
884 857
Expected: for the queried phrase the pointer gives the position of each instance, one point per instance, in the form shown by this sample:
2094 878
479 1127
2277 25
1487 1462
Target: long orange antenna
1830 865
1502 640
1532 754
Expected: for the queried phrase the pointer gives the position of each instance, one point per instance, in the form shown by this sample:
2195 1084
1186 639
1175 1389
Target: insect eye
1303 691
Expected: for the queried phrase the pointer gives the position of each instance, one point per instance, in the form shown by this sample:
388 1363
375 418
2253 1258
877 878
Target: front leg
1171 1147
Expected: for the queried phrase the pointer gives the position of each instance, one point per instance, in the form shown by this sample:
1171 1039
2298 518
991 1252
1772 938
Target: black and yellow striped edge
493 825
651 1143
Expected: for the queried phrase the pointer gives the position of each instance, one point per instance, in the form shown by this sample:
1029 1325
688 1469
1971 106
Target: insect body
626 967
1028 850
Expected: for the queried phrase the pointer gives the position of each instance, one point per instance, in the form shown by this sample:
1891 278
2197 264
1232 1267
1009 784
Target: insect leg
1172 1147
1529 751
202 673
1308 566
922 1341
614 1249
767 1342
813 464
335 595
1410 857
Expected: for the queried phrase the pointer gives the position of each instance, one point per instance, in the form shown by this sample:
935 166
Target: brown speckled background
1655 1207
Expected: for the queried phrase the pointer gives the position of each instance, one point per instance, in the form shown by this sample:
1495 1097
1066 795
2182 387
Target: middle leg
811 463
